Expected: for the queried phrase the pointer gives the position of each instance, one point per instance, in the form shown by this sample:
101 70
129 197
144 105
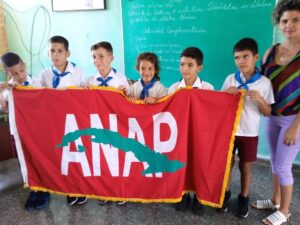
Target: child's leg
247 152
246 177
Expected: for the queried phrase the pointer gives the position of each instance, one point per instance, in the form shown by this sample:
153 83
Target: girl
148 87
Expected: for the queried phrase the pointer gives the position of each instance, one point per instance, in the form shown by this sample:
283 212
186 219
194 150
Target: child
62 74
15 68
190 65
106 76
148 87
258 97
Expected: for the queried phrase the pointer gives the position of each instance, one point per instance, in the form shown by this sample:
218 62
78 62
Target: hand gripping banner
98 144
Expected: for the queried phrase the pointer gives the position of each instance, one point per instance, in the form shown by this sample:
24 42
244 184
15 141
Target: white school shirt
74 78
197 84
157 91
250 117
32 83
117 80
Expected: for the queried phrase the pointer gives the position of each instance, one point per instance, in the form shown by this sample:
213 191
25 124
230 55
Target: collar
111 74
28 79
69 68
197 83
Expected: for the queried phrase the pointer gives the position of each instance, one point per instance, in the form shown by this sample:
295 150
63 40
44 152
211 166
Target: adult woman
281 64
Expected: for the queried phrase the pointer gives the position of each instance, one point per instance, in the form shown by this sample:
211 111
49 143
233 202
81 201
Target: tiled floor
12 211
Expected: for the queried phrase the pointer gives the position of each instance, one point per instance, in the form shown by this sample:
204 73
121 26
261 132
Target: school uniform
248 128
28 82
200 84
36 200
53 78
197 207
113 79
156 91
249 122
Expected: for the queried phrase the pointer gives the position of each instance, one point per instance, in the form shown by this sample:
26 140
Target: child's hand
5 85
131 98
123 88
232 90
149 100
254 95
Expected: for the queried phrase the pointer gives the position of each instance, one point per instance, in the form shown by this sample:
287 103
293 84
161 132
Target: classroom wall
81 28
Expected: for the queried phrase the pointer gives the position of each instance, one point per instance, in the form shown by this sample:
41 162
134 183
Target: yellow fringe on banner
231 145
113 199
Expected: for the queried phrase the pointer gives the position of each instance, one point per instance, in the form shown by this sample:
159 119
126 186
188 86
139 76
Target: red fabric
205 121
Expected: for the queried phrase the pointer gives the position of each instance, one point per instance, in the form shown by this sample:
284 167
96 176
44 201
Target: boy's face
58 54
146 70
245 61
17 73
189 68
102 59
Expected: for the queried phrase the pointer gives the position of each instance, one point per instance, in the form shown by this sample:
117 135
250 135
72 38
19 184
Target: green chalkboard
166 27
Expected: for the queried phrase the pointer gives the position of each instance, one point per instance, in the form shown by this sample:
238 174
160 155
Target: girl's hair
283 6
10 59
151 57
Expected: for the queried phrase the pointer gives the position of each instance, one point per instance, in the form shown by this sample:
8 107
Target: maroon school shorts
247 148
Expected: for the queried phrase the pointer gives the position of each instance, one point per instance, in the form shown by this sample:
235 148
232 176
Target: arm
263 106
3 103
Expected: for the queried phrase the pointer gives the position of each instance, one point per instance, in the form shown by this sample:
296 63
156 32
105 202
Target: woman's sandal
265 204
276 218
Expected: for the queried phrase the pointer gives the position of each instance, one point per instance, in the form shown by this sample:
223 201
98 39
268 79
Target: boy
62 74
190 65
15 68
106 76
258 100
191 60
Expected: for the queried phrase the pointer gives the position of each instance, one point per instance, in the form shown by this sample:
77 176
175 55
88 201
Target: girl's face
17 73
146 70
289 24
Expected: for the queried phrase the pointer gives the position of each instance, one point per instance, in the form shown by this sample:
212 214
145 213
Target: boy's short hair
10 59
103 44
60 39
246 44
283 6
193 52
151 57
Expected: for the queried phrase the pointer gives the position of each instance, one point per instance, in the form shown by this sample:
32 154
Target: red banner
97 143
